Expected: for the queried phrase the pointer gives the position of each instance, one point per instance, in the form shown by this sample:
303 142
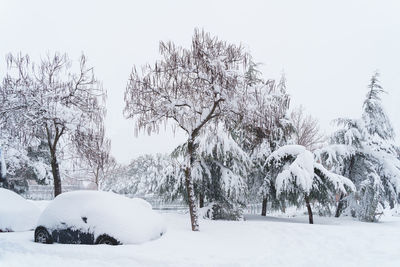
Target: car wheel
106 240
42 236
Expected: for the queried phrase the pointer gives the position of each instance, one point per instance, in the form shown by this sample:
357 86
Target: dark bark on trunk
5 184
341 202
191 153
201 200
190 189
310 215
264 207
55 169
339 206
56 175
391 203
96 178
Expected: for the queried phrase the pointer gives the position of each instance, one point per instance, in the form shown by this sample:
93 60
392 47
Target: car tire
42 236
106 240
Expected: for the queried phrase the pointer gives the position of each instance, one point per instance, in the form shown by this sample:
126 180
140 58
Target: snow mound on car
130 221
16 213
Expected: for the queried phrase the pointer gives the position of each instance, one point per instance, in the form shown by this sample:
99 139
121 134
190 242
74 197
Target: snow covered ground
258 241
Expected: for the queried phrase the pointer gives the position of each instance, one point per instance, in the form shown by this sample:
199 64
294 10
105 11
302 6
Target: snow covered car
16 213
95 217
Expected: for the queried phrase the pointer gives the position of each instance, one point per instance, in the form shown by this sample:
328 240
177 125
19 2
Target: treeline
244 146
355 170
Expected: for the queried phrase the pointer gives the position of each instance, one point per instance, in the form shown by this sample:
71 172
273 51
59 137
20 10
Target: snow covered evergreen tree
269 129
141 177
24 163
297 178
220 173
374 116
364 151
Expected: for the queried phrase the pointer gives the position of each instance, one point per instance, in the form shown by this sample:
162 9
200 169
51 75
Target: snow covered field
268 241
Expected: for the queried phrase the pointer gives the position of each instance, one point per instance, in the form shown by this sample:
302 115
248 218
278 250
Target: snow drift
16 213
127 220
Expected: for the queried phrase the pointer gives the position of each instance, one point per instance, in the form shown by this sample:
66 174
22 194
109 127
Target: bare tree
50 98
306 130
192 87
94 147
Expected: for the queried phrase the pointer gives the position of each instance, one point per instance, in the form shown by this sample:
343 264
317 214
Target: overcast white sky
328 49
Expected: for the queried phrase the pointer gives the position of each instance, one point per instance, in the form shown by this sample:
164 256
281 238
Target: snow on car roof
127 220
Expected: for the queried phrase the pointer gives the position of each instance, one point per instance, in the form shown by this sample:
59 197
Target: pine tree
374 116
269 130
219 175
22 164
298 178
364 151
143 176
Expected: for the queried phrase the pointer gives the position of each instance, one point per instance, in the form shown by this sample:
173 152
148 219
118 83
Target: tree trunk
341 202
5 184
201 200
339 206
391 204
310 215
190 189
96 178
55 169
264 207
56 175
